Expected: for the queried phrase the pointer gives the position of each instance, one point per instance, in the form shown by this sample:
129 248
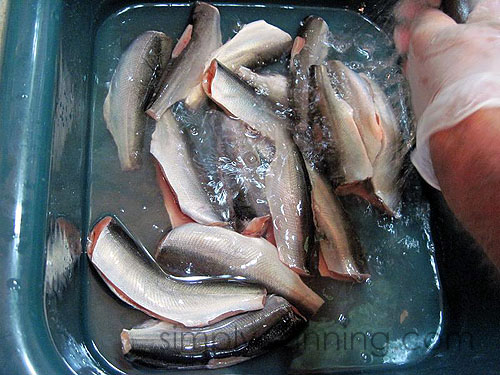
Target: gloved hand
453 69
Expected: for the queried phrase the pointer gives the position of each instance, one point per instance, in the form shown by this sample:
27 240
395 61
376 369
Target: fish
170 148
216 251
200 126
137 279
131 89
175 214
341 254
244 156
272 86
192 52
256 44
350 166
240 101
310 48
354 91
289 202
385 191
236 339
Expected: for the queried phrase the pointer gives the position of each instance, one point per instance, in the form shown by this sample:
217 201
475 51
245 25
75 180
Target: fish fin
177 217
183 41
258 226
298 45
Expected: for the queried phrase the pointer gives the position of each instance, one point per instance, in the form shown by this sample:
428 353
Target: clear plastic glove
453 69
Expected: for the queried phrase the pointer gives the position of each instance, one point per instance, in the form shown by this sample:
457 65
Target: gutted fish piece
186 70
231 341
354 91
244 156
240 100
175 214
170 148
256 44
289 203
135 277
385 185
310 48
273 86
351 167
130 92
201 129
341 255
215 251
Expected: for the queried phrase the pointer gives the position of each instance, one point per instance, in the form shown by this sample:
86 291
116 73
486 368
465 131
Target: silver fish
340 250
231 341
354 91
273 86
351 167
289 203
201 129
257 43
170 148
130 91
187 69
310 48
244 159
386 192
134 276
216 251
241 101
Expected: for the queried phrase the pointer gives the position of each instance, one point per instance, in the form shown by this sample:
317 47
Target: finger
402 38
407 10
485 11
426 26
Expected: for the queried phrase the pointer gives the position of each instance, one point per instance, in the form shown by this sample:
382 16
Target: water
360 326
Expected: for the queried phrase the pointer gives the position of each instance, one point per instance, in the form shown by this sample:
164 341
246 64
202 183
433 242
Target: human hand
453 69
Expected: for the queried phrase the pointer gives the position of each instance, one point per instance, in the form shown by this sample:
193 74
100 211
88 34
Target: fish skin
215 251
385 185
130 91
311 48
200 126
289 202
351 166
340 249
245 157
273 86
135 277
170 148
231 341
187 69
352 88
239 100
256 44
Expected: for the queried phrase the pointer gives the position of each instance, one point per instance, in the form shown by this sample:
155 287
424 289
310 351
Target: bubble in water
343 320
366 357
13 284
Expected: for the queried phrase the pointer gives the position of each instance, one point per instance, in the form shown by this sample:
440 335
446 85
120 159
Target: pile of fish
250 166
